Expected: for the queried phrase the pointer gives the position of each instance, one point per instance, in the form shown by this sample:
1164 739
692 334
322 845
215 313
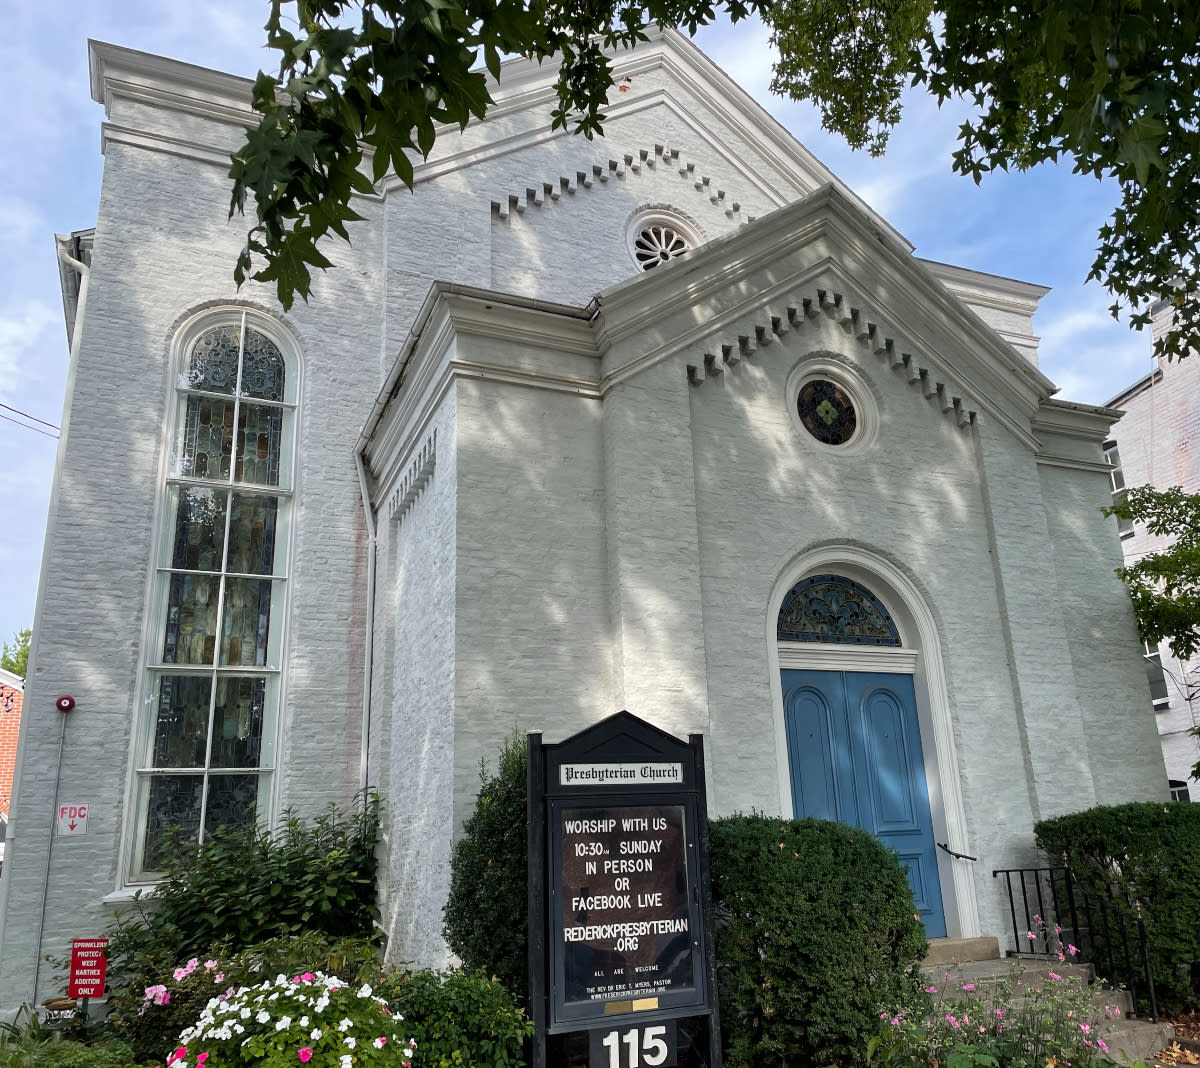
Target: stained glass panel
205 446
172 819
245 628
258 439
181 730
831 608
232 801
826 411
238 722
199 528
214 360
262 371
252 529
191 619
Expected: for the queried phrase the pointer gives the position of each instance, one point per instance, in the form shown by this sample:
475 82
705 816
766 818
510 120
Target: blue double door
854 750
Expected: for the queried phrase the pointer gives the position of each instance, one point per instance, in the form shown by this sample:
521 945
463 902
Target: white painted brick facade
587 497
1159 442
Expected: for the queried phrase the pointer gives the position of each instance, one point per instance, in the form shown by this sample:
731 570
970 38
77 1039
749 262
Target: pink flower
968 986
1085 1029
308 977
1103 1047
1037 920
201 1058
178 1055
209 965
1053 975
1072 950
305 1054
931 990
1030 935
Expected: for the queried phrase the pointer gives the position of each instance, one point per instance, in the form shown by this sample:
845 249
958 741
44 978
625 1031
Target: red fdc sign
88 965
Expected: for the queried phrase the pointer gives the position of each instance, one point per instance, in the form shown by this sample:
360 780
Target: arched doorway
863 723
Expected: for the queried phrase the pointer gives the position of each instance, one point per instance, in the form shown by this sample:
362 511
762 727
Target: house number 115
636 1047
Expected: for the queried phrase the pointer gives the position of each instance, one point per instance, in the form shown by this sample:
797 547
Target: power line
35 429
17 411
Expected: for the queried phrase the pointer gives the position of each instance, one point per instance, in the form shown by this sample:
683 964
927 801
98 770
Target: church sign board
619 903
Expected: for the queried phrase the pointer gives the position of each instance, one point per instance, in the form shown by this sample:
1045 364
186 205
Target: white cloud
20 329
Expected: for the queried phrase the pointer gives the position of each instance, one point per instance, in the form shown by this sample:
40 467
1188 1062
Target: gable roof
819 258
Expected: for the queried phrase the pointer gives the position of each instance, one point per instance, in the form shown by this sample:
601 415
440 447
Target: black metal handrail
1046 906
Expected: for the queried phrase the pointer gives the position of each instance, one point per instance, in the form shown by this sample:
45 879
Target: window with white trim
1157 677
208 741
1116 477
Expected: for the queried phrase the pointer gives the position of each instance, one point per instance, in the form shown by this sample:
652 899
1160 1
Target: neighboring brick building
1157 443
12 694
668 421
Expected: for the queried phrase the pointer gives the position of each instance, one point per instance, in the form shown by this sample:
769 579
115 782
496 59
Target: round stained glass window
826 411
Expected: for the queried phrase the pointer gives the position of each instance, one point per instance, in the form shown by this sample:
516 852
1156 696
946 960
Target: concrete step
1138 1040
944 951
1128 1039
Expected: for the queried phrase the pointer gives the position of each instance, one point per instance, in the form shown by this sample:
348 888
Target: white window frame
154 667
1116 479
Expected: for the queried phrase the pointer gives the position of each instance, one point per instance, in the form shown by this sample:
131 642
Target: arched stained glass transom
835 609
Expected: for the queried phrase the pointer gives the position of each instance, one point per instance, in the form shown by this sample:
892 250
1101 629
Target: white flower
245 1013
347 1061
263 1016
345 1025
365 992
380 1042
303 1021
283 1023
350 1041
316 1033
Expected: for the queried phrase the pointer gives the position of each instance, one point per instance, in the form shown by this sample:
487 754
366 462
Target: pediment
813 264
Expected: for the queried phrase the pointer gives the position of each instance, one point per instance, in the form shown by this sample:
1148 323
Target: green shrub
28 1043
458 1019
1046 1021
242 888
286 1021
485 919
149 1016
816 936
1143 856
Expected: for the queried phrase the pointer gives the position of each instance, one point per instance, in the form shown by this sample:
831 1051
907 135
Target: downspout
81 300
369 638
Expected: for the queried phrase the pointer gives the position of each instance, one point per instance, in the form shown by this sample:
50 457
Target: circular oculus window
658 243
656 237
827 411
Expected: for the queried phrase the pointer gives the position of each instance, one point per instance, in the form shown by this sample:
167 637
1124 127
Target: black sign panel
627 917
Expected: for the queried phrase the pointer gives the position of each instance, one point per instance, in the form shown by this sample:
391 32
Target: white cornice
1071 435
113 68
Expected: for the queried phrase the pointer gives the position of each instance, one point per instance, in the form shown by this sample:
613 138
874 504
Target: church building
669 421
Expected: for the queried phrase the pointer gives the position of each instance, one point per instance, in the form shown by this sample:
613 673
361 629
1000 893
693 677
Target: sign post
89 963
619 902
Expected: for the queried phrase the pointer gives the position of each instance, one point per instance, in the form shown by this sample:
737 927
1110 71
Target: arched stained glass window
832 608
215 666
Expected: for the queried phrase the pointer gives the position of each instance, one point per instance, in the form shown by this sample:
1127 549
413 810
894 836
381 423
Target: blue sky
1040 227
